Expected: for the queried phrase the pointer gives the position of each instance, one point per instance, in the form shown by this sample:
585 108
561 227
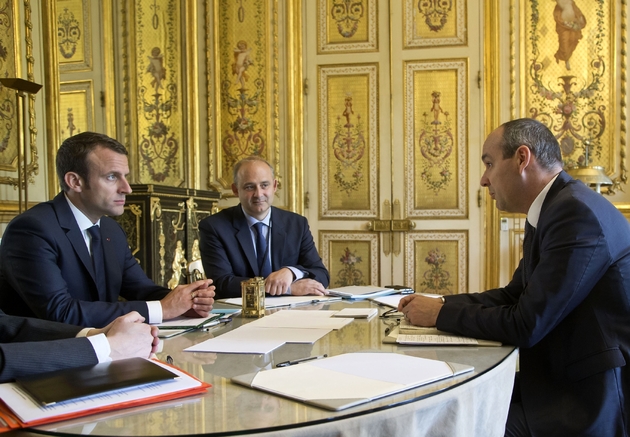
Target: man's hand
420 310
129 337
308 286
192 300
278 282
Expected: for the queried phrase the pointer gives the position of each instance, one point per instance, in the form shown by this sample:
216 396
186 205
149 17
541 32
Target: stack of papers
270 332
417 335
343 381
361 291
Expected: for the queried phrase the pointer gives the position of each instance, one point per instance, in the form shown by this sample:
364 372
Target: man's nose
124 186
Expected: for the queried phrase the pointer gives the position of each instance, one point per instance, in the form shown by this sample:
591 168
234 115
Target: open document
408 334
344 381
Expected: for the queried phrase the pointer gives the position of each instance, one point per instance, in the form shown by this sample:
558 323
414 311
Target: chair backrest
195 271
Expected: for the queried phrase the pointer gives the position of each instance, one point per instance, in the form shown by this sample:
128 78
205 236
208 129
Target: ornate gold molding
492 104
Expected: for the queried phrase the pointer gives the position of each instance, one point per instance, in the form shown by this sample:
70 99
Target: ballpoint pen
301 360
331 299
209 325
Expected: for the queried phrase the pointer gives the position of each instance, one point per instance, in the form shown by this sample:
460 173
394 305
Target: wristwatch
443 300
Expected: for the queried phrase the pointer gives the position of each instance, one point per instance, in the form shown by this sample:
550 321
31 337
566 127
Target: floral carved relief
436 145
349 148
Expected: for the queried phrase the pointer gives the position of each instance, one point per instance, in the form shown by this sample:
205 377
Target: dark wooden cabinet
162 226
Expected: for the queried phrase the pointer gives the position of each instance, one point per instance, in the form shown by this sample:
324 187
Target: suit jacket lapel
244 237
74 234
278 238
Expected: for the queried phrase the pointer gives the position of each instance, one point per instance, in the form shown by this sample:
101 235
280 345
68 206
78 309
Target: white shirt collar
534 210
82 220
251 221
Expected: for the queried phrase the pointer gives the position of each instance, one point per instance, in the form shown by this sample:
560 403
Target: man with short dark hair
567 306
65 260
255 239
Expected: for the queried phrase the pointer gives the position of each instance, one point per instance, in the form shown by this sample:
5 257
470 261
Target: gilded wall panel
156 58
12 62
345 26
436 119
247 68
437 262
569 73
74 48
430 23
9 45
348 146
351 258
76 105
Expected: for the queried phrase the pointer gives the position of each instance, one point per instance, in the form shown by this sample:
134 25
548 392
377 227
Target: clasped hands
192 300
420 310
278 283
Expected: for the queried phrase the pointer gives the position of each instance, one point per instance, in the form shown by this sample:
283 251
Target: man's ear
235 189
74 181
524 157
275 185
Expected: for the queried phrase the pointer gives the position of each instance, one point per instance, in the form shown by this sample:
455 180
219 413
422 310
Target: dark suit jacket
30 346
572 319
46 270
228 254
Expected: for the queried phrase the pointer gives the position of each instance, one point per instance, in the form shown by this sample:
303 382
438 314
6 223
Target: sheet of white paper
303 323
393 299
295 335
228 346
301 314
357 313
347 377
28 410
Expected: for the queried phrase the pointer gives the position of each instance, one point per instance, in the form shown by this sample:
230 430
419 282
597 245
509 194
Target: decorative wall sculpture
347 26
348 132
247 75
437 262
352 258
74 35
436 119
571 80
431 23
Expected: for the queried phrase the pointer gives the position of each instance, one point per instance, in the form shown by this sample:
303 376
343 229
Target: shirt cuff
155 311
101 347
299 274
83 332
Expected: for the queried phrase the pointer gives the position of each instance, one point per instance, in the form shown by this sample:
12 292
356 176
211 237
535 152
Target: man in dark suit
282 251
567 306
52 265
30 346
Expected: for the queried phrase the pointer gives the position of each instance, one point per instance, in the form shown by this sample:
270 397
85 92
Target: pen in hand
301 360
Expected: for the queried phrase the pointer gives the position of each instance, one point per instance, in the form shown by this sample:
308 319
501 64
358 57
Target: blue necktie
97 259
527 251
264 265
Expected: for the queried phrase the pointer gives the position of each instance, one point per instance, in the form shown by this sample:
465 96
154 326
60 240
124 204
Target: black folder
62 385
